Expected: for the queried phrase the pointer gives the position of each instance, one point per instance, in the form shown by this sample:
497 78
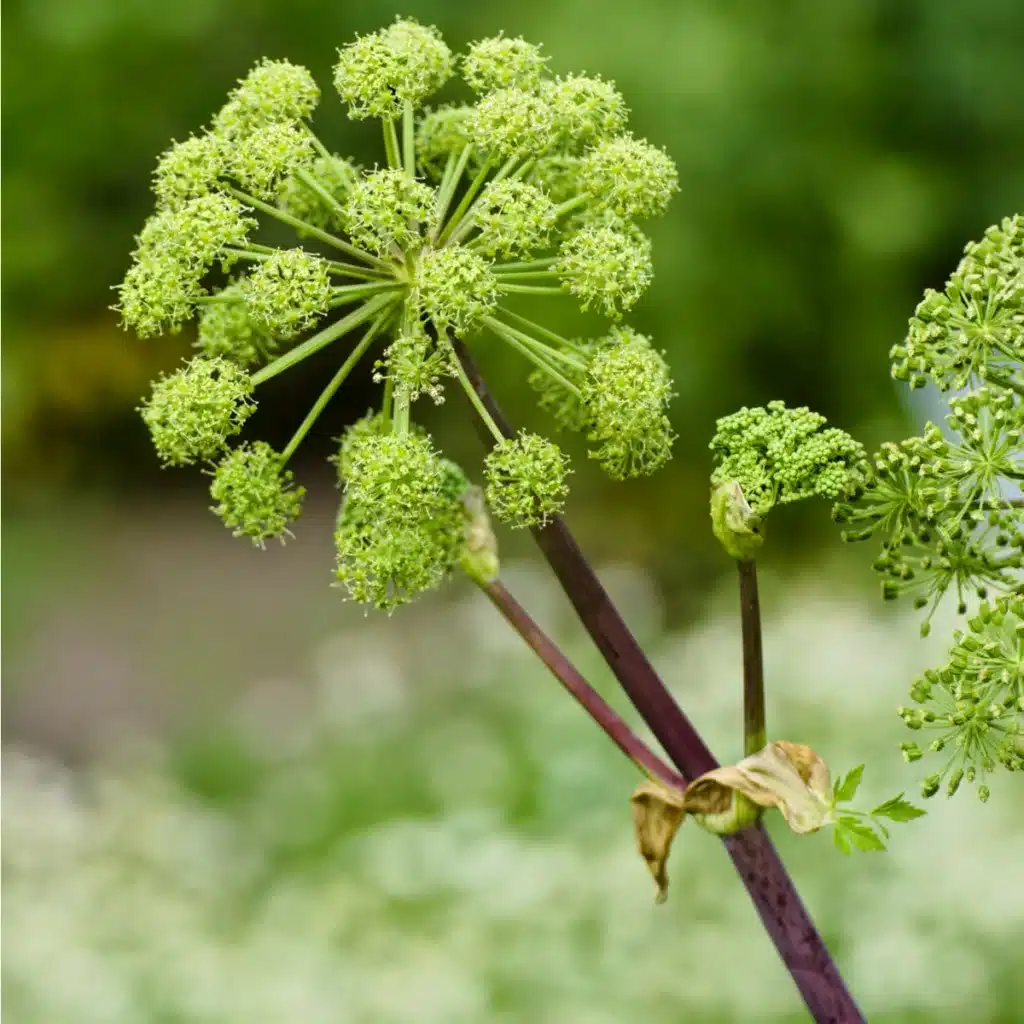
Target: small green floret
173 252
226 330
780 455
584 109
415 363
526 480
606 266
629 177
401 527
192 412
254 493
500 63
514 218
274 92
440 134
456 288
514 122
189 169
265 157
379 73
287 293
625 392
386 208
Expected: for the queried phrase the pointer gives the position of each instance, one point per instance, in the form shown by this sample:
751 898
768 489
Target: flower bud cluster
287 293
385 209
456 288
607 266
227 330
501 63
973 331
779 455
974 704
526 480
379 73
534 188
254 493
401 527
192 412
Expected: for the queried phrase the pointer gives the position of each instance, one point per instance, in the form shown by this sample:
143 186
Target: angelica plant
532 185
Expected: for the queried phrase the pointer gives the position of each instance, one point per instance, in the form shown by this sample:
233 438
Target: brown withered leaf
657 814
785 775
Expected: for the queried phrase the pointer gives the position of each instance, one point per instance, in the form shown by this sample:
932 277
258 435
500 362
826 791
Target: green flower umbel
529 185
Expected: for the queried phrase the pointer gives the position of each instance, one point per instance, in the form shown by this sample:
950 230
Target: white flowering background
421 826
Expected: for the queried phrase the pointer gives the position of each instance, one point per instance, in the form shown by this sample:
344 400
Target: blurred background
227 795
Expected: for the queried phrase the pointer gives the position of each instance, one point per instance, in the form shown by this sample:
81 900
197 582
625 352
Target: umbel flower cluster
537 188
947 508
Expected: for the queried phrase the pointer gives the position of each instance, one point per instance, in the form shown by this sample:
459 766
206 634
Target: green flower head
192 413
779 455
254 494
401 527
287 293
379 73
526 480
526 184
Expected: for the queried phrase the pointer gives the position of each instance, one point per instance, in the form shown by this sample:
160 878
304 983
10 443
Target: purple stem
778 903
593 703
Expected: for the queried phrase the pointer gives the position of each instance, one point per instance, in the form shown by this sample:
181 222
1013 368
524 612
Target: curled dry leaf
789 776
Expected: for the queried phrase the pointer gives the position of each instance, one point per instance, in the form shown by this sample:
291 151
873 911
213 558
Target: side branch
778 903
593 703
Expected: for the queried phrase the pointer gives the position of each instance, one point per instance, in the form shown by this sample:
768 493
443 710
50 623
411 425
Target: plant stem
336 381
754 734
529 289
467 200
345 293
516 340
453 172
606 717
322 338
481 409
778 904
409 139
391 144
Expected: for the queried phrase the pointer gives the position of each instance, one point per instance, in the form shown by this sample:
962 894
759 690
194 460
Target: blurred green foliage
833 159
